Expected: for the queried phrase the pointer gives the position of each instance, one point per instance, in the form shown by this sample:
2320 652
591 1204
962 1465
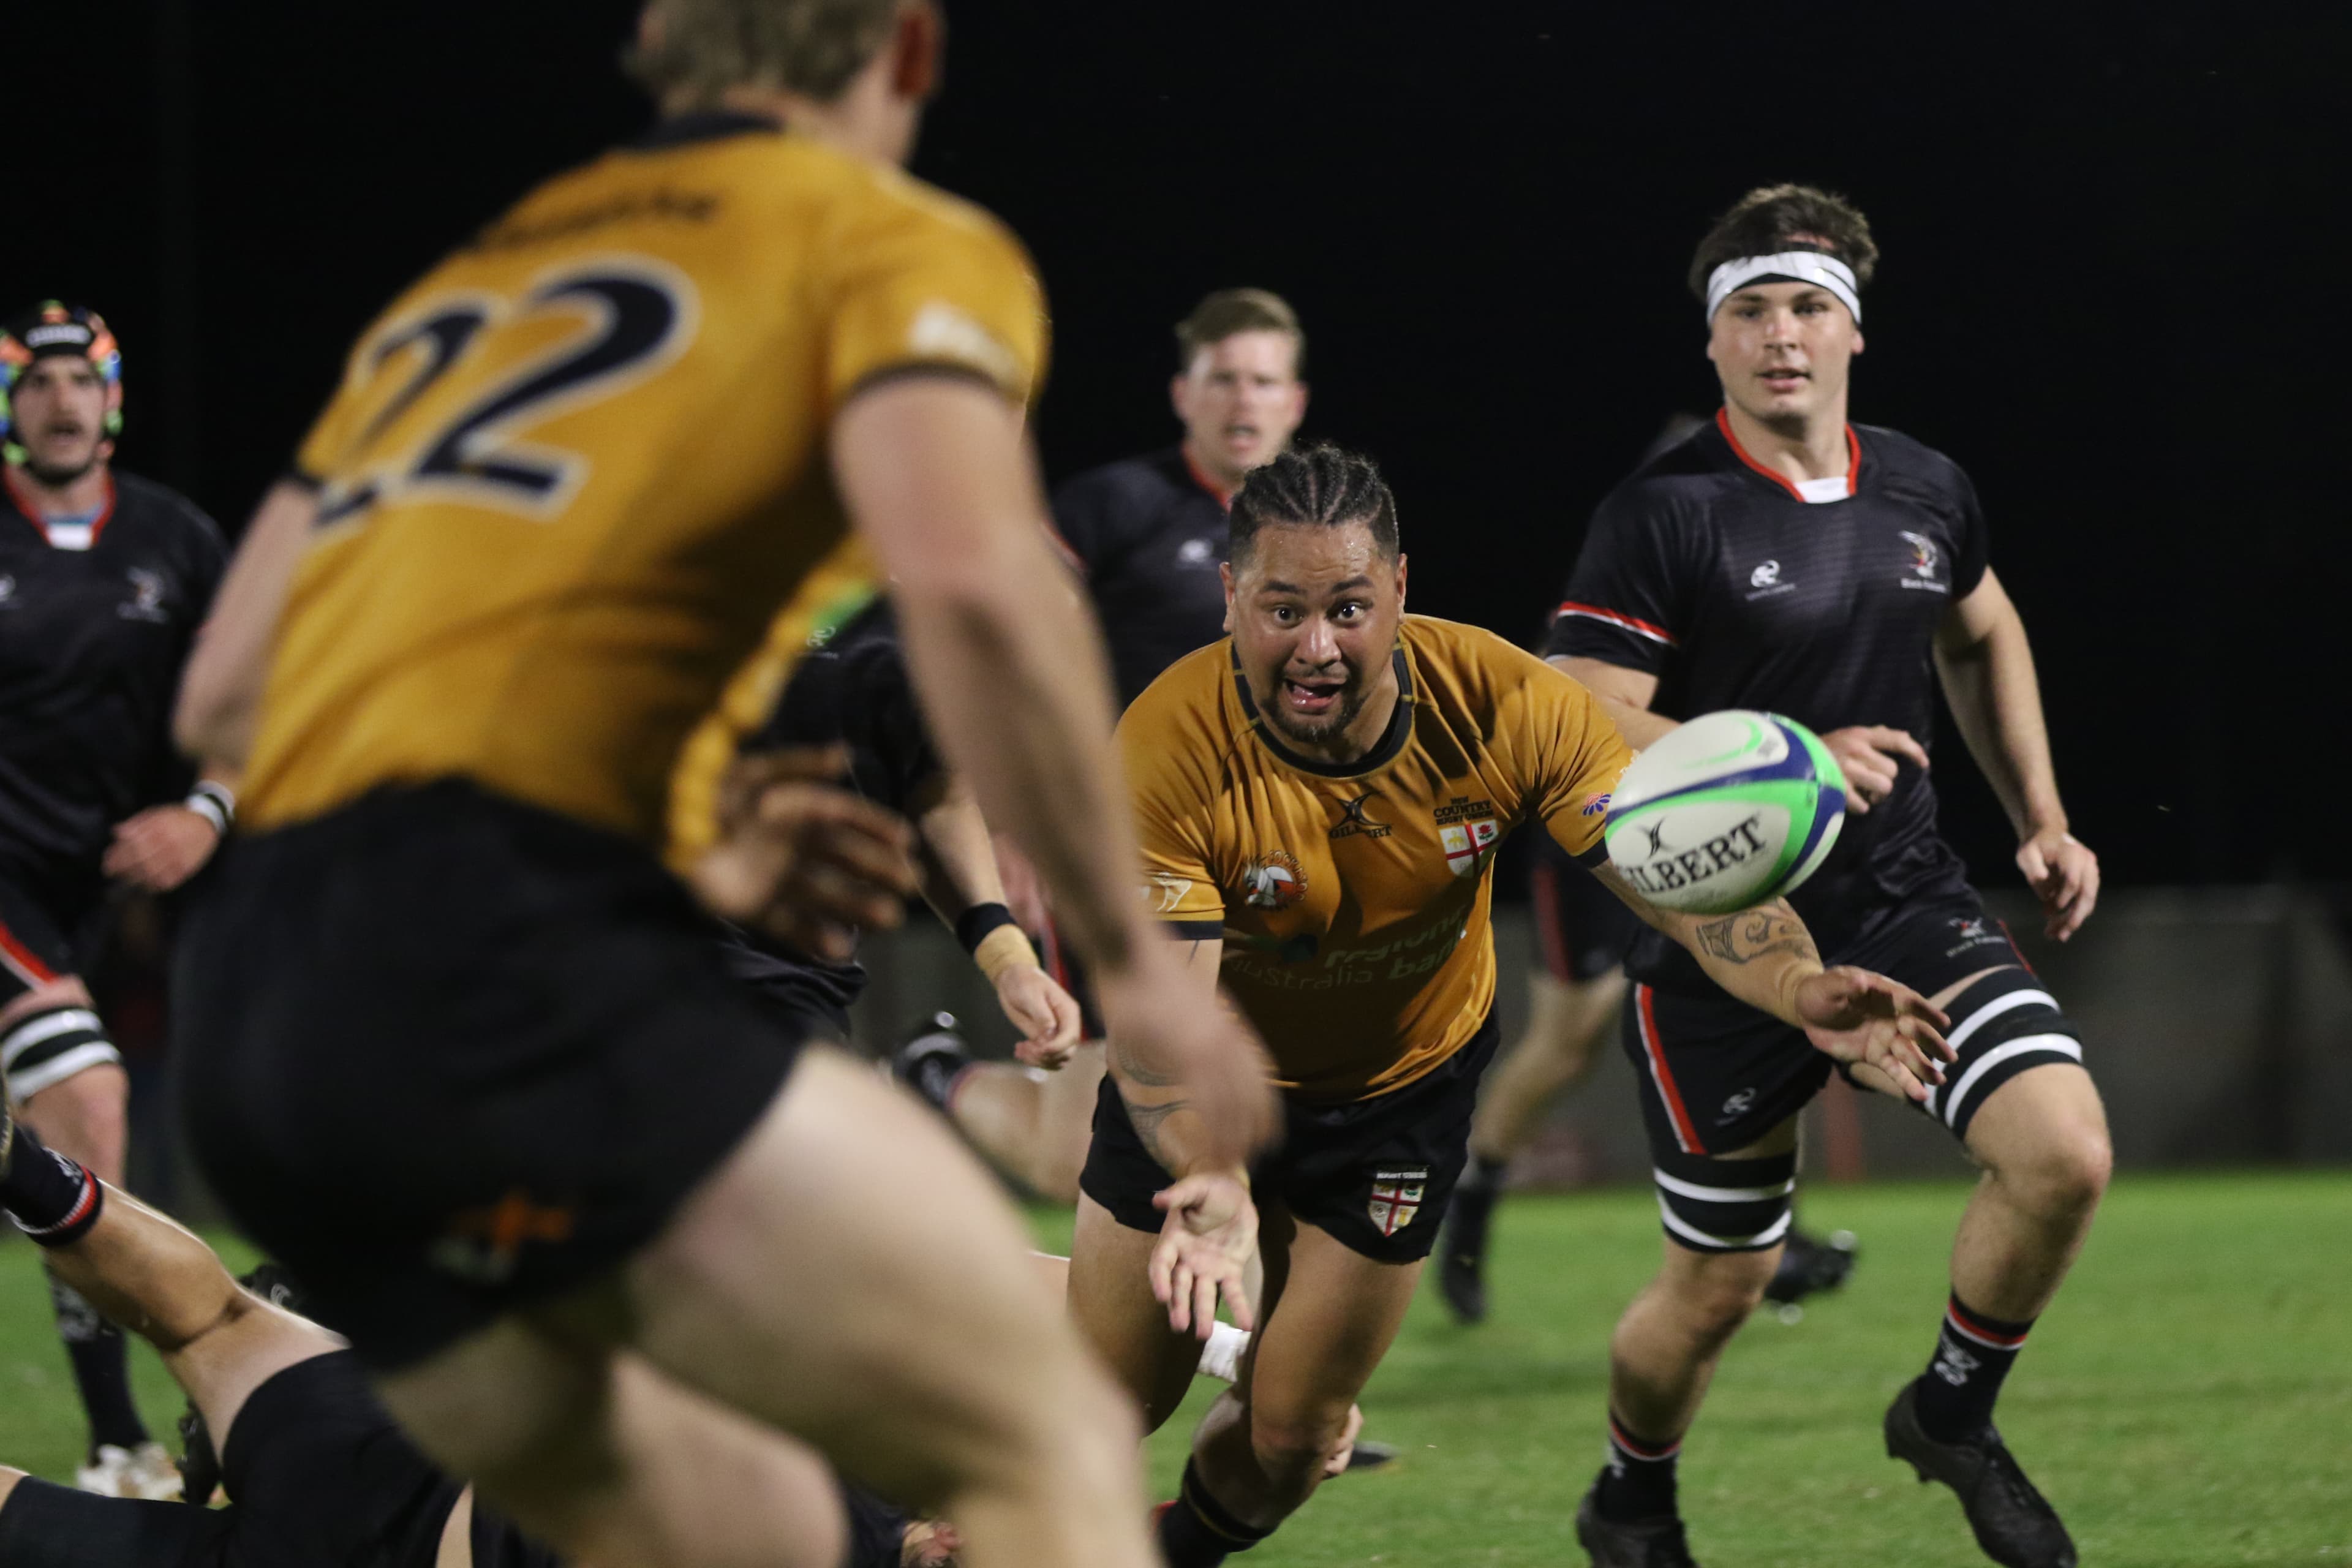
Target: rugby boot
1809 1264
145 1472
1461 1252
1654 1543
931 1061
2015 1524
1369 1455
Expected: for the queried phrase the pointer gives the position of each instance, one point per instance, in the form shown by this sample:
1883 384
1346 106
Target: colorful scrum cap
53 327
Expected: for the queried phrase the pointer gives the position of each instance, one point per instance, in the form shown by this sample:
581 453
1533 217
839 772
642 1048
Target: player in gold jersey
1321 798
461 1051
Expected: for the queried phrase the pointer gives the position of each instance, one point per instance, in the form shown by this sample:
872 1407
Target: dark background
2111 285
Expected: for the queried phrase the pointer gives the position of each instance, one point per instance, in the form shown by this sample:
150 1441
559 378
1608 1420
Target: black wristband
973 925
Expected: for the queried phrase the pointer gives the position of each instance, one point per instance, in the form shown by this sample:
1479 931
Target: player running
1783 559
461 1051
1148 534
104 578
1573 994
1321 798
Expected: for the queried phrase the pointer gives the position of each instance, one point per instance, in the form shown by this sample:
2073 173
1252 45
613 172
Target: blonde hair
814 47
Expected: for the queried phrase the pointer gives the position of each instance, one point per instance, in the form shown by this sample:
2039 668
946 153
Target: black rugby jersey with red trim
96 616
1150 533
1716 575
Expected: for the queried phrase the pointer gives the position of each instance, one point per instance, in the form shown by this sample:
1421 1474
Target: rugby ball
1727 811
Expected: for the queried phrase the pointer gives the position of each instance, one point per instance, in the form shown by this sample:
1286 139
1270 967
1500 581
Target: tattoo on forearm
1136 1069
1146 1119
1755 933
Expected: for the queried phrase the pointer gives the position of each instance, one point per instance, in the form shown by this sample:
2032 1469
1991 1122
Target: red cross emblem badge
1396 1198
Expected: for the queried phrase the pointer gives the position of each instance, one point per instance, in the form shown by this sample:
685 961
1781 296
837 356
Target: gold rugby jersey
577 477
1353 899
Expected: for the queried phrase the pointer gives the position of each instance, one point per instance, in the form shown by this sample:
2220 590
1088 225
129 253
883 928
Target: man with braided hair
104 578
1780 558
1320 797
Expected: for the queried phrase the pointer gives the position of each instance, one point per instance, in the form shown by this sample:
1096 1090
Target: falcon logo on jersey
1355 820
1396 1198
1274 882
7 590
146 601
1924 556
1766 573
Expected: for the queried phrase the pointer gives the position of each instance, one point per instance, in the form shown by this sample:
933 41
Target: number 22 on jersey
481 373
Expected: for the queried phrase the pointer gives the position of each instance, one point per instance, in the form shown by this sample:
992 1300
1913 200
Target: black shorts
1717 1075
447 1055
1376 1173
809 998
42 939
1581 928
316 1472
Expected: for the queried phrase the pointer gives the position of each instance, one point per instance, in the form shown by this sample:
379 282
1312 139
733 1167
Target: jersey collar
60 535
1815 491
1392 741
704 125
1200 476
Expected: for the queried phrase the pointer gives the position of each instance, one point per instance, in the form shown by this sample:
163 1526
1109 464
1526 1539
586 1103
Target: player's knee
1293 1445
1713 1293
84 1118
1053 1173
2065 1174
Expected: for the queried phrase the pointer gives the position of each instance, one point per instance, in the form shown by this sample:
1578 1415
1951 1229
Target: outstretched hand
1204 1249
801 857
1859 1017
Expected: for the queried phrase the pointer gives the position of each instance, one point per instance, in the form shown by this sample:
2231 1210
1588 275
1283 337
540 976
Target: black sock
53 1200
1639 1482
933 1073
1473 1210
1195 1531
1973 1356
101 1368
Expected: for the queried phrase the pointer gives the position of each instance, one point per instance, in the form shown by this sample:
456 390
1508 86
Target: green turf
2188 1402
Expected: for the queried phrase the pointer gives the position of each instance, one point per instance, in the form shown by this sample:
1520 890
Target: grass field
2187 1404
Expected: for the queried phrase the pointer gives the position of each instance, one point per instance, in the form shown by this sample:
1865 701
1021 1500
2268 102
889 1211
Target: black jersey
854 690
96 619
1719 577
1151 534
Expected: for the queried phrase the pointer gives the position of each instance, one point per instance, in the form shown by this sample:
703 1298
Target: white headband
1789 266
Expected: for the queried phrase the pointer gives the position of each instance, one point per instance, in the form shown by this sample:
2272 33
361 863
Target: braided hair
1324 485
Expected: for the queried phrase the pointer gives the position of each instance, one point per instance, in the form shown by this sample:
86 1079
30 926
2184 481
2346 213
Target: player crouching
1321 798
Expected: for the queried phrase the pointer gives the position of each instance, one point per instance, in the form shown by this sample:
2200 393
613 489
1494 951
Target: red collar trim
1201 477
32 514
1852 468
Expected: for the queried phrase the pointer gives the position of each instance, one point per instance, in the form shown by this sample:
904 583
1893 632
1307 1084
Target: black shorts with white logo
449 1055
1581 928
1716 1075
43 938
1377 1173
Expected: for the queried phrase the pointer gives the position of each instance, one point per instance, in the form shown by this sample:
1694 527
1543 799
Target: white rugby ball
1728 811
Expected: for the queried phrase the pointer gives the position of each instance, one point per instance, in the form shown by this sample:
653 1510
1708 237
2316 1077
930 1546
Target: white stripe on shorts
47 1026
1722 1194
1968 1026
56 1069
2063 1045
1765 1237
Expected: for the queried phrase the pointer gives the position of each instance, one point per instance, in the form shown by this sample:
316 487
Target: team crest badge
1275 881
1396 1198
1469 845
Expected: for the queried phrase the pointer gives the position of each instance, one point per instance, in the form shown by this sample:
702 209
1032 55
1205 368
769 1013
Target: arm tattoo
1754 933
1146 1119
1138 1070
